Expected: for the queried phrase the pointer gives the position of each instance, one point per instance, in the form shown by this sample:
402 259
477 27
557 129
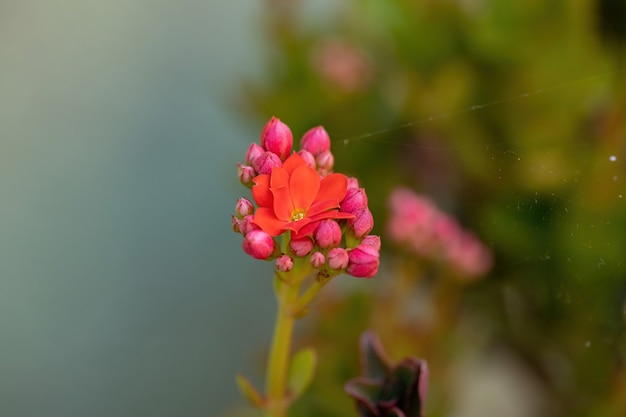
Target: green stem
308 296
278 363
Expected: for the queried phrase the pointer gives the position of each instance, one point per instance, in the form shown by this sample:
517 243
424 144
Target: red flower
295 198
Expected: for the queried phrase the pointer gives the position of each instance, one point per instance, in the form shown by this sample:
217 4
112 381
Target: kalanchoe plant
388 389
310 221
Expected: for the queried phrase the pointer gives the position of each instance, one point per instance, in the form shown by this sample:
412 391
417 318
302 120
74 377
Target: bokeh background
122 287
123 290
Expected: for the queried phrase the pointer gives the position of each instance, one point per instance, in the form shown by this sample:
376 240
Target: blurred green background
122 287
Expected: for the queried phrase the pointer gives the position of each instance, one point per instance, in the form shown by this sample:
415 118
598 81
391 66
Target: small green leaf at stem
249 392
301 372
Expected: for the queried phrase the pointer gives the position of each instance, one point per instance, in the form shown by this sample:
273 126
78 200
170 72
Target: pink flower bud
317 259
363 261
254 151
328 234
284 263
265 162
243 208
316 141
235 222
353 183
362 224
325 161
301 247
246 174
276 137
372 240
258 244
338 258
354 201
308 158
246 225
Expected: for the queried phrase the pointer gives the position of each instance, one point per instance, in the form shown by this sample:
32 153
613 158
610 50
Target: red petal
265 219
283 208
322 206
293 162
333 186
331 214
261 191
304 184
297 225
305 231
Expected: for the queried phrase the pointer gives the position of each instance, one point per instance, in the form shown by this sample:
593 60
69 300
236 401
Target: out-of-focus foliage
511 116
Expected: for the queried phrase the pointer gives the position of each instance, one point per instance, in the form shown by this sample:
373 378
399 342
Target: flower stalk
278 362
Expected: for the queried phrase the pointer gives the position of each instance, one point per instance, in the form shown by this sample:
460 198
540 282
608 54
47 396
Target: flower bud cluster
418 225
335 238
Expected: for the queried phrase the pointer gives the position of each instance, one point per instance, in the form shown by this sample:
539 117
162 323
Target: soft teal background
123 291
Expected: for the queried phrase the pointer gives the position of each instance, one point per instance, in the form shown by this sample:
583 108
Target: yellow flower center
297 214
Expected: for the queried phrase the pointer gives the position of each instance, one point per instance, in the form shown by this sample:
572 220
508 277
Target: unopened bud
243 208
308 158
362 224
338 259
258 244
284 263
328 234
246 174
353 183
276 137
316 141
265 162
363 261
246 225
372 240
325 161
235 222
354 201
301 247
317 259
254 151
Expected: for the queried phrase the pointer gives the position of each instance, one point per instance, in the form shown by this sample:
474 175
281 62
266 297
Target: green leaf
249 392
301 372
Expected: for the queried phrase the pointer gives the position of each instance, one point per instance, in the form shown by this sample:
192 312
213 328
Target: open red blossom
294 197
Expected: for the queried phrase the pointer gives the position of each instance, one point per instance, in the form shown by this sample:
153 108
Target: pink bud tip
352 183
362 224
235 222
284 263
265 162
317 259
246 174
254 151
308 158
246 225
325 161
338 259
372 240
243 208
258 244
316 141
276 137
363 261
301 247
328 234
354 201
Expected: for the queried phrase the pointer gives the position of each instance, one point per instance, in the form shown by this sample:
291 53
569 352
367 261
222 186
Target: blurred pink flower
419 226
342 65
